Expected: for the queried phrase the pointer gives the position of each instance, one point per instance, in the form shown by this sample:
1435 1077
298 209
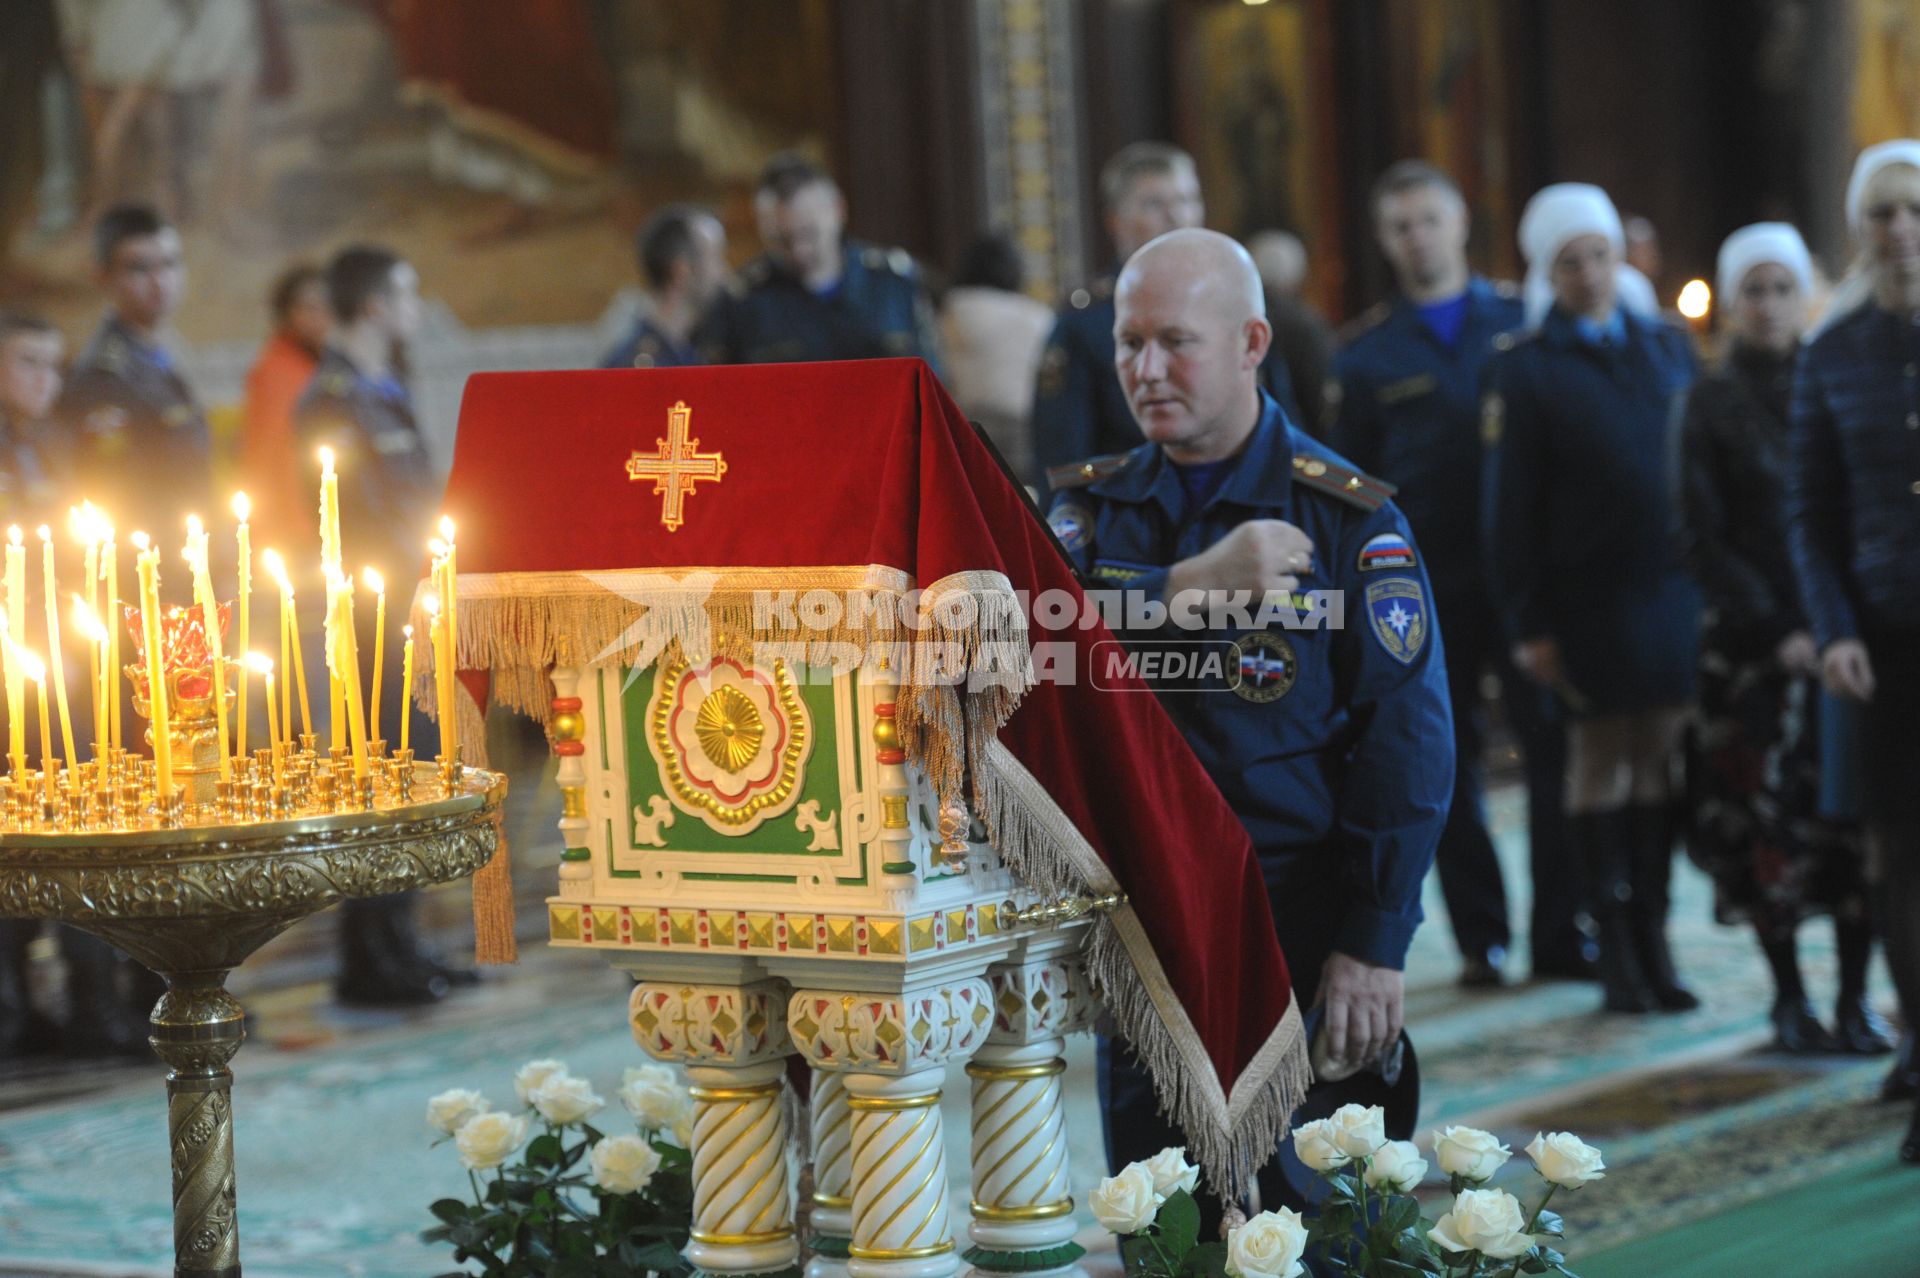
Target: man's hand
1539 660
1798 654
1364 1006
1257 556
1847 670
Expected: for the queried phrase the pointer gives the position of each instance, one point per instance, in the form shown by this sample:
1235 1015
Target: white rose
486 1140
623 1164
564 1099
449 1109
1126 1203
1397 1167
1318 1147
1566 1160
683 1132
1488 1221
1359 1129
1171 1171
655 1098
1469 1152
1268 1246
534 1073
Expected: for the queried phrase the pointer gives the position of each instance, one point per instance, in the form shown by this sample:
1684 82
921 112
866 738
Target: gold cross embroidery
676 467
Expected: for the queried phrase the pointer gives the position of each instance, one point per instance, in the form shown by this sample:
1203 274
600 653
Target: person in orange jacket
302 318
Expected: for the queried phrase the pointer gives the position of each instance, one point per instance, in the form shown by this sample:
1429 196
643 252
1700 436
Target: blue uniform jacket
1582 529
647 347
1408 411
769 317
1337 752
1079 409
1853 489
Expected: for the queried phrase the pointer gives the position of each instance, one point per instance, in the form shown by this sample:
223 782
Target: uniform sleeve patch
1397 613
1072 523
1388 550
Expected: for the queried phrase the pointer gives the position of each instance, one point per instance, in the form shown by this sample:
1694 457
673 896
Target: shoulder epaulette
1354 487
1081 473
1366 321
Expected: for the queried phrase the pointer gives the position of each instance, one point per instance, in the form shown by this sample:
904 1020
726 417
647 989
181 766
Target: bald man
1321 707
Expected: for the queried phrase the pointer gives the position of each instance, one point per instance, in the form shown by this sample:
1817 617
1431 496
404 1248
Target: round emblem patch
1266 667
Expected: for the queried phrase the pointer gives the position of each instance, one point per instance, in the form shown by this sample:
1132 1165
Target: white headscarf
1856 290
1763 242
1562 212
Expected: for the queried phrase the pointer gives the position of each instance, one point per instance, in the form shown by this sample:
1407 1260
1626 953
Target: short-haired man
815 293
138 435
1079 410
1407 388
1330 741
358 406
682 251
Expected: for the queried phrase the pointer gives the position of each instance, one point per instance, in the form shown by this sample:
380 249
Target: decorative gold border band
758 1091
891 1103
899 1253
1039 1211
832 1201
1003 1073
741 1240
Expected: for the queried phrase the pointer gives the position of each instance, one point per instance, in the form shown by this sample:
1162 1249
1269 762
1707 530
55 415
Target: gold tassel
493 939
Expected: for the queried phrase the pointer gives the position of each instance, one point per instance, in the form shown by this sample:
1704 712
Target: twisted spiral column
196 1028
742 1206
1022 1213
832 1177
901 1227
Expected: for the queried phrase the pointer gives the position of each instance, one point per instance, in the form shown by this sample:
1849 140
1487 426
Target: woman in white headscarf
1754 779
1583 564
1853 502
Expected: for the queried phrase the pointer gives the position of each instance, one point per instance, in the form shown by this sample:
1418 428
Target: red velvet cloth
871 463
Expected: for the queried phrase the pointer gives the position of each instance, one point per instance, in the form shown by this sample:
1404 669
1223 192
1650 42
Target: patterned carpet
1700 1127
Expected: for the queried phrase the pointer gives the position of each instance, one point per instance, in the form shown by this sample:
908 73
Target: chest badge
1266 667
1397 611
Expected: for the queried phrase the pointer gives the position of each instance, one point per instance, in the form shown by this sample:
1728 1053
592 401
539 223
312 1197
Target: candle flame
407 631
431 603
326 460
1696 299
446 528
437 548
46 533
194 526
29 663
242 507
276 568
141 541
375 582
87 621
260 663
13 535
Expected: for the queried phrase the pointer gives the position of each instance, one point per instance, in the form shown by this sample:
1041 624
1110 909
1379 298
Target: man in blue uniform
815 294
1331 741
683 259
137 434
358 406
1079 410
1407 386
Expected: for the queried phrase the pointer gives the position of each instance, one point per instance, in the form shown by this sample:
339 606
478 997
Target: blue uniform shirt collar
1484 305
152 352
1262 472
1562 329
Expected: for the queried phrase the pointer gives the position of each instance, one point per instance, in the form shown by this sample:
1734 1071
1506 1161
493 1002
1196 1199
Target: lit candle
290 636
450 598
55 661
242 509
406 687
16 592
343 662
83 521
147 564
196 557
378 586
262 665
31 668
110 569
87 622
329 512
442 663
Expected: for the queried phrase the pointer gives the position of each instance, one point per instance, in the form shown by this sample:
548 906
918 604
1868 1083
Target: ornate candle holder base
193 903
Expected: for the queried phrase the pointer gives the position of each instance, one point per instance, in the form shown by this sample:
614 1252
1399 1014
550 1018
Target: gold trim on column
890 1103
899 1253
573 802
832 1201
758 1091
1007 1073
741 1240
1038 1211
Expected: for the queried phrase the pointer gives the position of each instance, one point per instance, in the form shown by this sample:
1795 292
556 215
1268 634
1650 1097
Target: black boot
1600 839
1650 834
1857 1028
100 1021
1795 1027
377 967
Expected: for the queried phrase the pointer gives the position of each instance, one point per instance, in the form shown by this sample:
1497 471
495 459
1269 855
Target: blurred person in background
272 473
682 253
1300 333
991 333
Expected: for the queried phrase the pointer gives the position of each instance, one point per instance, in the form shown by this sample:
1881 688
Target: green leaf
451 1210
543 1150
1207 1260
1137 1253
1400 1215
1386 1267
1534 1263
1179 1223
1550 1223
